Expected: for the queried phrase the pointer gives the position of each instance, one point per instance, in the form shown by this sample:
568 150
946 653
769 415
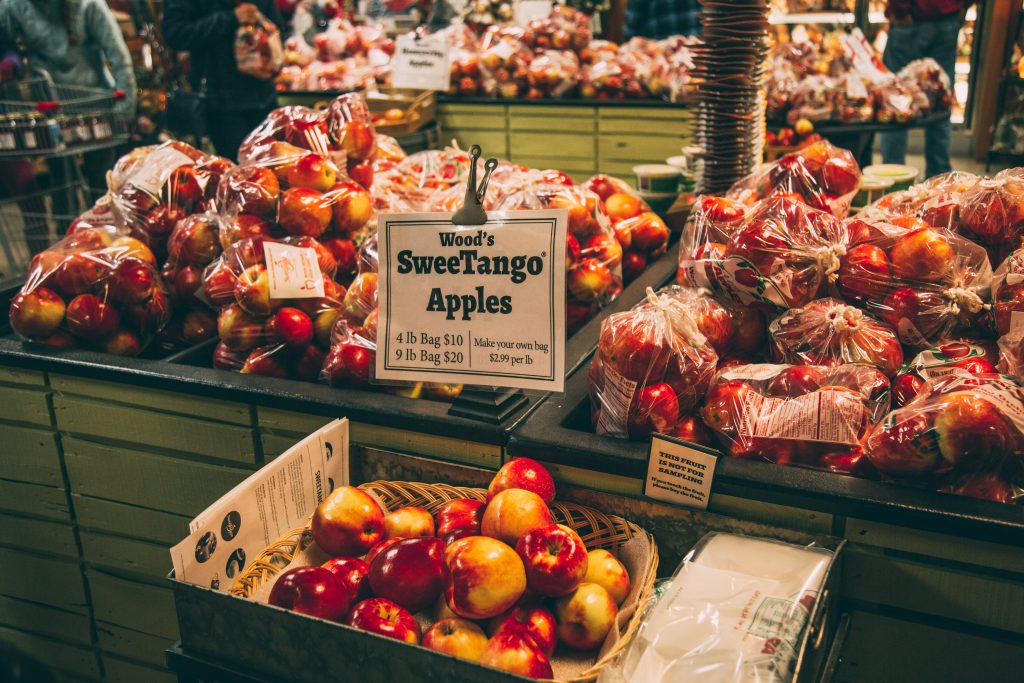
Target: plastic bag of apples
489 579
963 434
652 367
992 212
642 233
821 175
778 254
158 188
96 289
194 243
974 356
936 201
260 332
926 282
804 415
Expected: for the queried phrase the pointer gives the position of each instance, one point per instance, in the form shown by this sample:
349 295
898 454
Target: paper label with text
421 63
824 416
157 168
280 497
294 271
680 473
616 396
481 305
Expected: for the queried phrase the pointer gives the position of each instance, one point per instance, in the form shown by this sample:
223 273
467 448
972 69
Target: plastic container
872 188
902 176
657 178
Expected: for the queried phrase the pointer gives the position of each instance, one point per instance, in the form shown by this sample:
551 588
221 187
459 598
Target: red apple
195 241
605 248
351 572
351 207
244 226
252 290
132 281
266 361
512 513
226 359
238 330
633 265
603 186
864 273
516 653
484 577
523 473
650 234
90 317
461 513
925 255
311 590
291 327
198 326
361 172
456 637
344 252
348 365
904 444
972 433
219 285
589 280
37 313
605 570
80 273
126 247
692 430
304 212
183 187
360 298
159 224
796 381
533 620
349 522
410 573
122 343
250 189
555 560
620 205
312 171
308 365
408 522
379 547
585 616
385 618
905 388
655 408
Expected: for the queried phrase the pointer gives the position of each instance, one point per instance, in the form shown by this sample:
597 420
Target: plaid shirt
661 18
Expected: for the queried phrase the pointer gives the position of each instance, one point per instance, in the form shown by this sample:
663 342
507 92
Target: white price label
481 305
528 10
679 472
422 63
294 272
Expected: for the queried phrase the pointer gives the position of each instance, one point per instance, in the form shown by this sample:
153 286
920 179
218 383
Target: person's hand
903 21
247 13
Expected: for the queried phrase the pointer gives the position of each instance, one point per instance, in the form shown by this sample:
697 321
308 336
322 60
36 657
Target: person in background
236 103
658 19
78 42
918 29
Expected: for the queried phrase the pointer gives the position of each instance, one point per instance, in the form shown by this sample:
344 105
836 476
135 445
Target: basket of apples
96 289
507 577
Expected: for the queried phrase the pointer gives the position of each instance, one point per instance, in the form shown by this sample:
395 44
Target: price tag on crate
473 304
679 472
421 62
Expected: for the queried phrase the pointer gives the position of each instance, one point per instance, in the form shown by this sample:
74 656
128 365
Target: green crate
30 455
130 604
129 520
131 644
75 659
34 500
150 561
43 620
45 580
37 535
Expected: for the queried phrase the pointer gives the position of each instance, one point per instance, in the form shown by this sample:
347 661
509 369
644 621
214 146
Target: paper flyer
280 497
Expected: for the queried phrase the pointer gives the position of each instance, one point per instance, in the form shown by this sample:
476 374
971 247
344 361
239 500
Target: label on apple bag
480 304
680 473
280 497
294 271
823 416
421 62
157 168
528 10
616 396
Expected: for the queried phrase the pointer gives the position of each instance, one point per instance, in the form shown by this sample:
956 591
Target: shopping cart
43 120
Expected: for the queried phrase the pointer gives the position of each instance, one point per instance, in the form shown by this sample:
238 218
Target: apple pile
734 331
976 357
262 335
821 175
342 133
552 74
258 49
828 332
936 201
495 582
96 289
162 186
652 367
564 29
803 415
926 282
992 212
194 243
641 233
779 254
962 434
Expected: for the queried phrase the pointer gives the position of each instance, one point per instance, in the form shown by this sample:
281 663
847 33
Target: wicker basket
419 107
597 530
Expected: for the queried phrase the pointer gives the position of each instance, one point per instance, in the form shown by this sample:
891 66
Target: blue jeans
936 39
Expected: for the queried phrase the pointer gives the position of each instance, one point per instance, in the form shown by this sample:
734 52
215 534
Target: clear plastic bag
258 49
733 330
805 415
553 74
925 282
829 332
992 212
651 368
94 289
735 611
779 254
962 434
974 356
931 79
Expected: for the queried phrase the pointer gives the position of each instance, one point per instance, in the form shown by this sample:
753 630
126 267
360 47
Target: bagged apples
732 329
829 332
158 189
925 282
780 254
971 356
652 368
258 49
805 415
962 434
553 74
992 212
820 174
275 317
93 289
194 243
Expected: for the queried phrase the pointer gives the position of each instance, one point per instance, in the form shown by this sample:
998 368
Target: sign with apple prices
481 304
679 472
421 62
229 534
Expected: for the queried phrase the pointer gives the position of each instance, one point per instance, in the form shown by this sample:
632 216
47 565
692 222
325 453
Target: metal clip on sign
492 405
472 211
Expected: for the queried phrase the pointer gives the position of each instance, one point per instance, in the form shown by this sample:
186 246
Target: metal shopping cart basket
40 119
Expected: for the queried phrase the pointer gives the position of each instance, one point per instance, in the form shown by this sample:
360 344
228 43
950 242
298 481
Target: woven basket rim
279 554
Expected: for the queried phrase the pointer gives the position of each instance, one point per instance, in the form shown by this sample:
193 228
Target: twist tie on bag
682 322
992 183
829 259
963 298
846 318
